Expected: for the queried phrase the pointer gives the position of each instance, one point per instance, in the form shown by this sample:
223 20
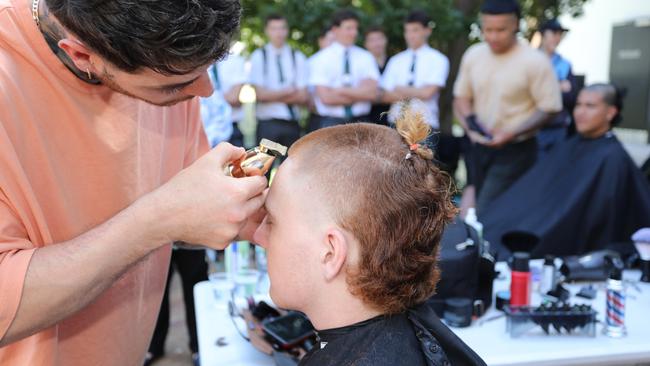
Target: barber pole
615 316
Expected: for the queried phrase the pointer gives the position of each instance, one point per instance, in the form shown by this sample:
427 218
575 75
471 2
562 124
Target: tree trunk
455 51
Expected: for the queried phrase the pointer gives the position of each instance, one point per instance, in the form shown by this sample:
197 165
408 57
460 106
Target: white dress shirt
327 69
232 71
216 113
430 68
267 75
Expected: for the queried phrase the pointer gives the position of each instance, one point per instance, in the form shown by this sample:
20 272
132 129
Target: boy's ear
335 253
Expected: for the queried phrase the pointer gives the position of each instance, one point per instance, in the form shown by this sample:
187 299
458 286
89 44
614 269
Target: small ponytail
411 124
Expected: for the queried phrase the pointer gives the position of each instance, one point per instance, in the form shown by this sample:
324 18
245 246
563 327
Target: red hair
386 191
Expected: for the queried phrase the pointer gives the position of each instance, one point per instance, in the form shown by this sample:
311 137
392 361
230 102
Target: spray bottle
615 313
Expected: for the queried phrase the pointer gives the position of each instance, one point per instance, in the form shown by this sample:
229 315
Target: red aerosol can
520 279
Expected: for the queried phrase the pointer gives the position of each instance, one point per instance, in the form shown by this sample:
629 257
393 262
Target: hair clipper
256 161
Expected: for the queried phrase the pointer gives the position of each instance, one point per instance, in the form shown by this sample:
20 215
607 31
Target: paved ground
177 350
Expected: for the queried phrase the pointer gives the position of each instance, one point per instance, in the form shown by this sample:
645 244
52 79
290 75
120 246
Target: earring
90 77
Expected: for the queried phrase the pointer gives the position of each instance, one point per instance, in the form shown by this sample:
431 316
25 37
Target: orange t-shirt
72 155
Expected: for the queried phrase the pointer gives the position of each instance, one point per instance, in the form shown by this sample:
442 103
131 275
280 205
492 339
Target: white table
489 340
496 347
214 323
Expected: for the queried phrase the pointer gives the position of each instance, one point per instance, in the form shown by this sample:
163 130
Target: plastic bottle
548 275
231 259
472 220
244 255
615 302
520 279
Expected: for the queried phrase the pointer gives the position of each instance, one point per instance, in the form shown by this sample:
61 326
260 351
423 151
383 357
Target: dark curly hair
168 36
386 190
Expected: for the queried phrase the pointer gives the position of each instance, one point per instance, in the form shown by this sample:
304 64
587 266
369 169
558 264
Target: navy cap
498 7
553 25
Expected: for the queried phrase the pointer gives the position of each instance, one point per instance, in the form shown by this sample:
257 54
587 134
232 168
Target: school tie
281 76
346 71
412 70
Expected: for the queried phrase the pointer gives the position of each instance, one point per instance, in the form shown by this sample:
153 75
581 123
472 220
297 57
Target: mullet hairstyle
385 189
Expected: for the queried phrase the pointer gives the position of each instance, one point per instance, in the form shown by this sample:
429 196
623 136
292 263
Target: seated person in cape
587 195
355 217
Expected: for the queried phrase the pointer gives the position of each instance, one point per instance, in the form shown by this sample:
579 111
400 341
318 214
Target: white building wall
588 43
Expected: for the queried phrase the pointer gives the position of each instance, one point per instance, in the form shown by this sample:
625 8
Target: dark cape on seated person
414 338
586 195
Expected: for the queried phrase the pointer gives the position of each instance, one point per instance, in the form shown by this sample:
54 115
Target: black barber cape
414 338
587 194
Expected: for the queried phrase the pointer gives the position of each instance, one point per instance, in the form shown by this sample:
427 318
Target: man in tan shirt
100 139
505 92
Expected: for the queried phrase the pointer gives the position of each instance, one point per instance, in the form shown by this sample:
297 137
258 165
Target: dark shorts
493 171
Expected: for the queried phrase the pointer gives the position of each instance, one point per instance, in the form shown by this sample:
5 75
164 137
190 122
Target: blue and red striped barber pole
615 315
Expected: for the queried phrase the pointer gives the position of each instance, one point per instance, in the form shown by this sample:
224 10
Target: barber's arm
64 277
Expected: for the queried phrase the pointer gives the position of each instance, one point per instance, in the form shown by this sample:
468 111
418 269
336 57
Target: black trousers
193 268
494 170
277 130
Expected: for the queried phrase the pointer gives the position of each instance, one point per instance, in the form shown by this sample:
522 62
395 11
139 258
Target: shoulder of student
362 52
256 56
477 50
533 56
397 57
299 54
232 60
318 56
439 56
436 59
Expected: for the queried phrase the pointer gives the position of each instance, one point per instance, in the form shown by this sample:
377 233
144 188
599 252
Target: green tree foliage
307 18
451 19
454 22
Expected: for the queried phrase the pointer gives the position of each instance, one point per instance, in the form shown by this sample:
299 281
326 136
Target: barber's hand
500 139
202 205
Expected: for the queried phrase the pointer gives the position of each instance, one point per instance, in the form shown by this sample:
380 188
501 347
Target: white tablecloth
489 340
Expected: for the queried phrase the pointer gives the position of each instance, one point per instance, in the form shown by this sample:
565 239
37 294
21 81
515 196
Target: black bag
466 268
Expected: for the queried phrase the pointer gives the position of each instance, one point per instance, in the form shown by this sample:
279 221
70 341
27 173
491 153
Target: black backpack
466 268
